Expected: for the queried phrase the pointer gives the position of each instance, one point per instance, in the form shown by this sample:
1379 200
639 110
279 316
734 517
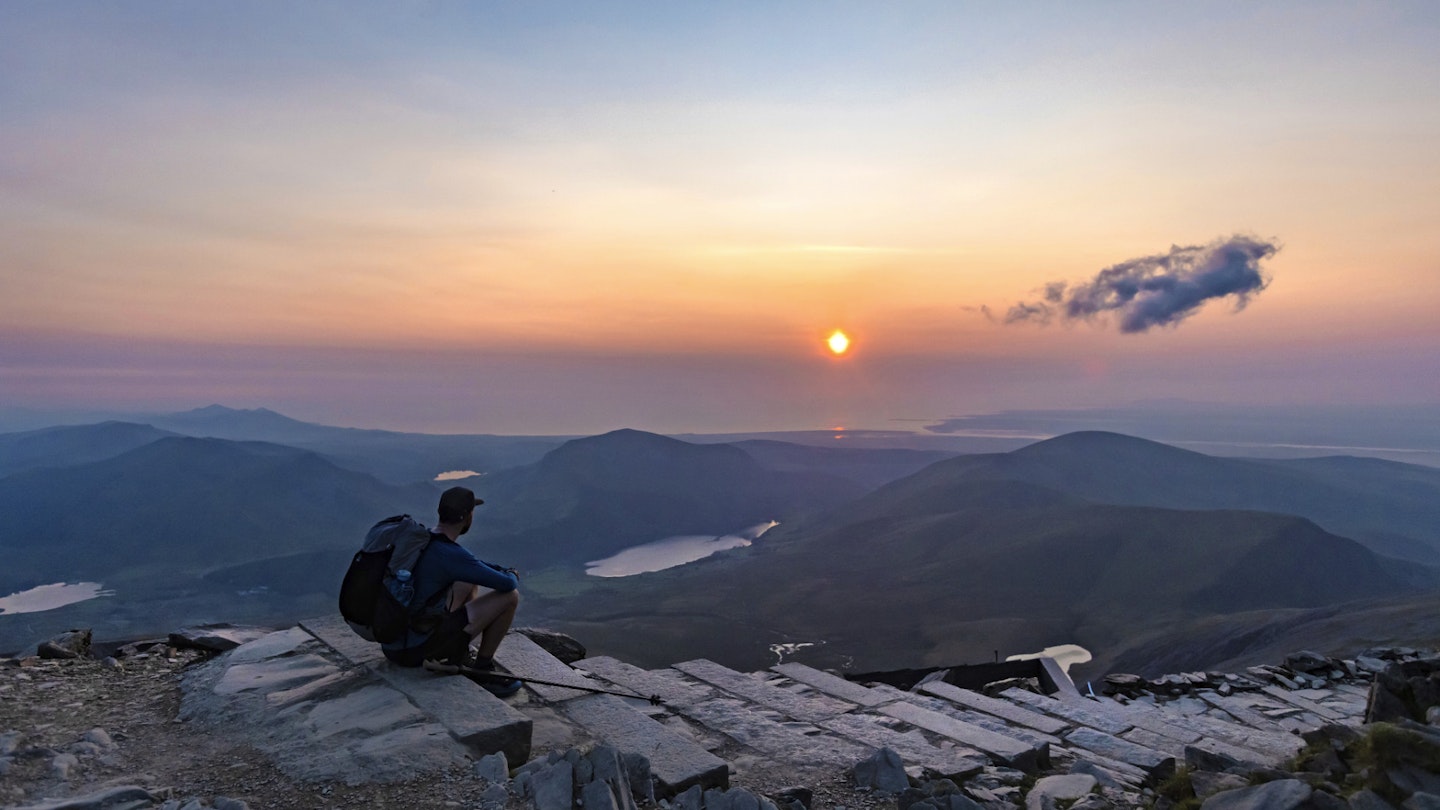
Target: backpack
372 600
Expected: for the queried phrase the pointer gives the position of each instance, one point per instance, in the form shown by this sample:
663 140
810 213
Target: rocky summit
312 716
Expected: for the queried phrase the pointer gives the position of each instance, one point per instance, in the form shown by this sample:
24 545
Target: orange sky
703 190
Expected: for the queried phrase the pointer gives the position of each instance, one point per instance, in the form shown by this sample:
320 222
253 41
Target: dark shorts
448 642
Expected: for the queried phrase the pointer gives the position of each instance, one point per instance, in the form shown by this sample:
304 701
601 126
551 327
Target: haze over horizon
564 218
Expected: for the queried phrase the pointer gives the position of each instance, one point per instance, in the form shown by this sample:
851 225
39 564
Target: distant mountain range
890 557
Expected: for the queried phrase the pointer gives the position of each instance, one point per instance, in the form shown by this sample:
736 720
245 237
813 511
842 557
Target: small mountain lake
673 551
49 597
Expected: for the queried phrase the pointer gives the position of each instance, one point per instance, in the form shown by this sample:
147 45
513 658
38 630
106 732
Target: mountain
68 445
391 456
183 504
239 424
1392 508
592 497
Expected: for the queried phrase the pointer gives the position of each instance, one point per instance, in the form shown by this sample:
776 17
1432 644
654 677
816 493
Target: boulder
1369 800
215 637
1208 783
692 798
882 771
69 644
1422 801
563 647
1283 794
1050 791
1308 661
553 786
493 768
786 796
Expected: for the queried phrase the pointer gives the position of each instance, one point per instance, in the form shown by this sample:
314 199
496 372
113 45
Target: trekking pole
501 677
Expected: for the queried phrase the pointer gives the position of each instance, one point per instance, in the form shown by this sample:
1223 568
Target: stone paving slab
523 658
810 708
1083 715
672 687
988 722
1272 743
1159 742
1157 765
1150 719
675 760
1004 749
1142 715
1240 753
913 748
338 636
832 685
1128 774
742 724
1308 705
1004 709
1238 709
473 716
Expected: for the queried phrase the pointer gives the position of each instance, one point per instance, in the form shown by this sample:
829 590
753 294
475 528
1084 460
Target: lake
673 551
49 597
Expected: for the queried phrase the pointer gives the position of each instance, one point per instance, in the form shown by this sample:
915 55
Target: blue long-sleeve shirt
443 563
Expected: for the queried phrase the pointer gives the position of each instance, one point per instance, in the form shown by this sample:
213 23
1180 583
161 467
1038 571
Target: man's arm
478 572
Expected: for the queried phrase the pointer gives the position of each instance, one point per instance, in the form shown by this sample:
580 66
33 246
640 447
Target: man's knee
512 599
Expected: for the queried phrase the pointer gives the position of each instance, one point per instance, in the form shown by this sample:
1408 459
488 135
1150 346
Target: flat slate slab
1308 705
832 685
526 659
1158 765
280 642
913 748
1141 716
669 685
1238 709
1266 744
338 636
314 718
1003 709
809 708
1005 750
1094 717
675 760
473 716
273 674
744 725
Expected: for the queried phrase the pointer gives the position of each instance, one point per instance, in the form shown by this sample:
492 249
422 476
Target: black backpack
368 599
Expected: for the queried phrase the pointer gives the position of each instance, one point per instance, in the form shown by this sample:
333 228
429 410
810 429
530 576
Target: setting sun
839 342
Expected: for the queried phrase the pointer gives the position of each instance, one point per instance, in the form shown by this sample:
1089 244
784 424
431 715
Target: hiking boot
492 677
499 687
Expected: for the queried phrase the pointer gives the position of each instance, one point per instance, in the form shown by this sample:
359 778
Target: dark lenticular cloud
1160 290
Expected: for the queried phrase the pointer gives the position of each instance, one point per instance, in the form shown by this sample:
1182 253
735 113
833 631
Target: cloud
1160 290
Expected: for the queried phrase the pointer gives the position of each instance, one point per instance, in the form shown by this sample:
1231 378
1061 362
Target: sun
838 342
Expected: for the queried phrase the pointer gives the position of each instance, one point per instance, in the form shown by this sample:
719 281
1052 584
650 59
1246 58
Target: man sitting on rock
461 598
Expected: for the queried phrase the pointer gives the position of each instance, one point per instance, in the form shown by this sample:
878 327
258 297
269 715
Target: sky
571 217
